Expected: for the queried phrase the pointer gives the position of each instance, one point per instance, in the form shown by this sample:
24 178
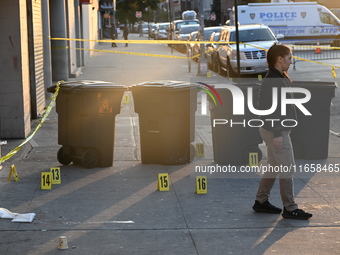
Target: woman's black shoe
297 214
266 207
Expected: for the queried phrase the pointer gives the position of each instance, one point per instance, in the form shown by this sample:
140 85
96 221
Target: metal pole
237 39
60 63
202 63
170 26
114 14
47 43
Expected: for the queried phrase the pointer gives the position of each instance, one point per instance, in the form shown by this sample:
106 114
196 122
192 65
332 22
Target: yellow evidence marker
200 150
56 177
163 182
46 180
201 185
253 159
13 171
126 99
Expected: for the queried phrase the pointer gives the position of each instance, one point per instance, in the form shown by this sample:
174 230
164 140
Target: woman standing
125 34
276 137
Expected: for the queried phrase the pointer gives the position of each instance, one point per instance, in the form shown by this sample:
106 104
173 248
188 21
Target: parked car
161 33
152 31
207 33
184 33
176 25
211 51
254 41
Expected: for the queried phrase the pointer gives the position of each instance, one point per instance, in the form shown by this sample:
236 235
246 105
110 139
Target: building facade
31 59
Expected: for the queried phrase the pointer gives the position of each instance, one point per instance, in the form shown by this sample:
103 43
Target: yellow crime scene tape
134 41
132 53
42 120
139 54
186 42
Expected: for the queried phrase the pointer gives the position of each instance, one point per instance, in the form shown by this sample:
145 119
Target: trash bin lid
164 84
88 85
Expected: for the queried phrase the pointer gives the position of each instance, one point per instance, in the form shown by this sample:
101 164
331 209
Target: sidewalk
118 209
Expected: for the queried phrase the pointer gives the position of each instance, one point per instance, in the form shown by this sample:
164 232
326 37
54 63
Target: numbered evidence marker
56 177
163 182
200 150
253 159
201 185
46 180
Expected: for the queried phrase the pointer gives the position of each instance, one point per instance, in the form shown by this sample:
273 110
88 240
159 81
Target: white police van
297 21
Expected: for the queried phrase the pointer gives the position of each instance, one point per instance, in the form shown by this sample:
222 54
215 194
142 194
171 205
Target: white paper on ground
17 217
6 214
24 217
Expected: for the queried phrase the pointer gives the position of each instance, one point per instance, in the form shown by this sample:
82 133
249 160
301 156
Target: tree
126 10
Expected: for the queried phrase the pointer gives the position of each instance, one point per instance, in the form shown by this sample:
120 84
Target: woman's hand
278 142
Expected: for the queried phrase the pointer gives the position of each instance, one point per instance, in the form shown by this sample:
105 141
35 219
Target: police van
297 21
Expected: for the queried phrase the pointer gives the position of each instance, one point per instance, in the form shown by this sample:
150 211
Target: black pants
113 44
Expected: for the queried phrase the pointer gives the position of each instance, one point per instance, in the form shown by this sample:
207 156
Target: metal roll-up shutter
36 57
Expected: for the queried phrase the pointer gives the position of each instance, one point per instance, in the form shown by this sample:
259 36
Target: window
328 19
253 35
179 24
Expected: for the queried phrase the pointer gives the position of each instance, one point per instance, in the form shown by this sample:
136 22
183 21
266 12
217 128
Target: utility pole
237 39
202 63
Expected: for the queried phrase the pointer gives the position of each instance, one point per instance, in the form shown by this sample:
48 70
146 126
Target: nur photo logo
211 91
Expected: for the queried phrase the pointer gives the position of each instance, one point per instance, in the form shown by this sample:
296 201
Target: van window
191 22
208 32
163 27
253 35
188 30
328 19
